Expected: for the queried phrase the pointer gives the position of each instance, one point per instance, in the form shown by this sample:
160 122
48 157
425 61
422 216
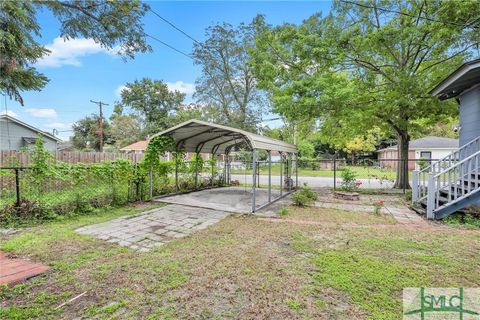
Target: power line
169 46
175 27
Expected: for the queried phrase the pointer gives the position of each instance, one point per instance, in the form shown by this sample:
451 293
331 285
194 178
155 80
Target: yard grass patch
240 268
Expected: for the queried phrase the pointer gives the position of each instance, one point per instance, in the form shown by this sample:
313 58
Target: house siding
469 116
12 134
388 158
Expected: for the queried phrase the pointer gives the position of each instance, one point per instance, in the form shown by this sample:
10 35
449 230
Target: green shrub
349 179
283 212
464 220
304 197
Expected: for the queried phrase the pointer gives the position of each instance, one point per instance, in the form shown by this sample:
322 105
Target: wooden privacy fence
22 159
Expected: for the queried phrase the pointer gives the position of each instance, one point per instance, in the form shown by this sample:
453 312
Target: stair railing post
415 186
431 196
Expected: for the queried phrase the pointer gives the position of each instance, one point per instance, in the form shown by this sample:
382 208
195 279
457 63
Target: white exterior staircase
449 184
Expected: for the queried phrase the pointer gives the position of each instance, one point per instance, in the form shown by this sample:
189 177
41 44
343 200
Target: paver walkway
16 270
402 214
154 227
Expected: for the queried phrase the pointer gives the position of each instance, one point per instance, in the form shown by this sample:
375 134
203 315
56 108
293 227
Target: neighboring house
423 149
17 135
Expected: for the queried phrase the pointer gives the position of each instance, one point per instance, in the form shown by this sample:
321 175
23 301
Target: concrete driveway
315 182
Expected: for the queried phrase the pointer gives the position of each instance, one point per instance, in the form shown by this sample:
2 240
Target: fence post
430 196
414 186
17 187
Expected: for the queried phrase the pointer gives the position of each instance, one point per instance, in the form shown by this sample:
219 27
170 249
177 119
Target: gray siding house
17 135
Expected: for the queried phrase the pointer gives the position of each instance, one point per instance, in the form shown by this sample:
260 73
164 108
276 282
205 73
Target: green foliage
283 212
157 147
52 190
20 49
366 66
469 220
349 179
304 197
86 133
152 101
41 160
227 84
112 24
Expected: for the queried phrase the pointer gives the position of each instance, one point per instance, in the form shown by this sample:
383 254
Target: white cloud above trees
69 52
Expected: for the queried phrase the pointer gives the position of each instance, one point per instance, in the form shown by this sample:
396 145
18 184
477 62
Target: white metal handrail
421 177
458 181
447 161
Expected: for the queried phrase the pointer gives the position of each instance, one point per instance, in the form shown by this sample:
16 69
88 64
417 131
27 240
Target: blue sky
80 70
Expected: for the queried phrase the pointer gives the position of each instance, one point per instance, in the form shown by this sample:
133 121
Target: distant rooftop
136 146
465 77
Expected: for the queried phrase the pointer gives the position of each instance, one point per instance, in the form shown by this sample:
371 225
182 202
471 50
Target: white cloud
67 52
42 112
118 91
58 125
181 86
9 113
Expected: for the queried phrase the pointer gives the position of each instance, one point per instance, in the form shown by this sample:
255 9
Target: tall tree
86 133
152 101
112 24
368 64
227 80
125 129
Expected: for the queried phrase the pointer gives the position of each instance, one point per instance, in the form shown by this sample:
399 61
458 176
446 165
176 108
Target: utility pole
100 104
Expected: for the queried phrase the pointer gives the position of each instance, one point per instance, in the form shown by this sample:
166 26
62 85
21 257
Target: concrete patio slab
154 227
229 199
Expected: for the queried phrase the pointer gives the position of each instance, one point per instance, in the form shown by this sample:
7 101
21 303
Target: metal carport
205 137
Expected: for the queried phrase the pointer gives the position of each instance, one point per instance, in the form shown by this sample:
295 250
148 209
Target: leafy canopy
152 101
115 25
366 64
227 83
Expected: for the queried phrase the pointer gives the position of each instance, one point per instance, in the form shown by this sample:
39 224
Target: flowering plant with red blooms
377 206
358 183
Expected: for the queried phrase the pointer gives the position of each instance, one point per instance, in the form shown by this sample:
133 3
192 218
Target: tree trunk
401 181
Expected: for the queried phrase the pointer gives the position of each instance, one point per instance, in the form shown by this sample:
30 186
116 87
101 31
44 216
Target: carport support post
254 173
296 171
225 169
211 163
281 174
269 176
290 172
196 168
176 171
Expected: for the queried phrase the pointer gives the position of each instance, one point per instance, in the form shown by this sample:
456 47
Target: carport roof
200 136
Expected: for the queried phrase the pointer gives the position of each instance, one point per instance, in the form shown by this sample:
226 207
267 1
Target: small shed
16 135
197 136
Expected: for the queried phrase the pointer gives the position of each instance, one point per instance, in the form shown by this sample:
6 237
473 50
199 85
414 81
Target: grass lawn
347 265
361 172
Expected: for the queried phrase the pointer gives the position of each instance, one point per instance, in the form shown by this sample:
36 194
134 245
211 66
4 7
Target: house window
427 155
